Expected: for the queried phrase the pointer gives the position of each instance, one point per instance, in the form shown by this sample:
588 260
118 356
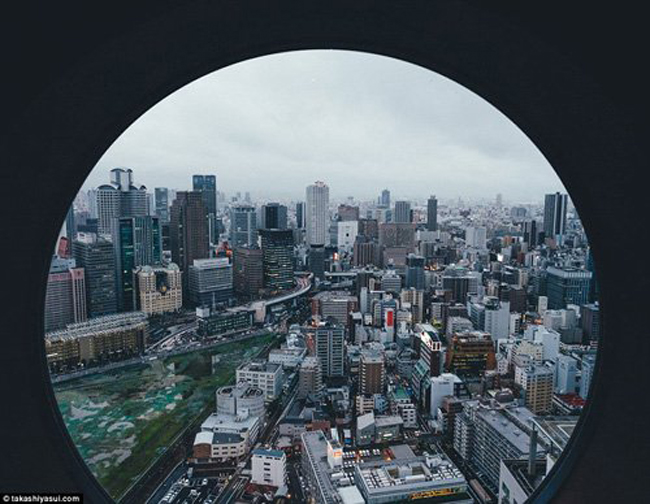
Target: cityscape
209 346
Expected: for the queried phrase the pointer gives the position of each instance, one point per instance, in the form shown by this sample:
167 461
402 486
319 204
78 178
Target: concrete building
442 386
537 384
566 368
243 226
566 286
101 339
248 272
310 377
263 375
470 353
317 213
159 289
277 259
211 282
335 304
240 399
346 234
96 256
372 372
65 296
587 370
269 467
120 198
330 349
289 358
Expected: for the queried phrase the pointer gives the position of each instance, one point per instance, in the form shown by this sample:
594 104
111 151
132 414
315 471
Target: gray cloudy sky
359 122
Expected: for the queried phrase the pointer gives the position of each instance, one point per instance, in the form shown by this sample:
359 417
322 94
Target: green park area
121 420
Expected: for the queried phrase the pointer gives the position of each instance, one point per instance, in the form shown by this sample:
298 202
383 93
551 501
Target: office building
430 347
384 199
248 272
120 198
470 353
402 211
317 213
348 213
96 256
587 367
159 289
432 214
226 438
372 372
476 237
240 399
330 349
415 298
415 272
589 322
566 286
220 322
531 233
346 234
161 203
277 259
300 215
98 340
65 296
188 231
335 304
310 377
263 375
565 374
441 387
207 186
243 226
555 209
537 385
137 241
273 216
268 467
397 235
211 282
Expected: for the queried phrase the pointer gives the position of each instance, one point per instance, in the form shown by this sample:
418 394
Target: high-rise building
402 211
587 372
211 282
159 289
274 216
537 383
415 272
277 258
65 297
207 186
531 233
430 348
470 353
393 234
330 349
243 226
348 213
310 377
96 256
137 241
346 234
372 372
317 213
70 227
555 208
269 467
316 261
248 272
567 286
476 237
565 374
590 322
188 231
120 198
432 214
384 199
161 203
300 214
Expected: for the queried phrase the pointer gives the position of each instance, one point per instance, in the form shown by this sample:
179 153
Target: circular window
322 263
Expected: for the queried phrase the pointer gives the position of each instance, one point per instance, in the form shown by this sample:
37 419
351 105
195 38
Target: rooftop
269 453
557 429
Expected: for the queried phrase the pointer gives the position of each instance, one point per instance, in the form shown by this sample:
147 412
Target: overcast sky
359 122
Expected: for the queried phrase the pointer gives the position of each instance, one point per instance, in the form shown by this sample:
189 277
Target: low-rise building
289 358
264 375
269 467
219 322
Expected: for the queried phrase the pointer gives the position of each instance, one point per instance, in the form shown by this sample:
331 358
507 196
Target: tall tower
188 231
65 298
120 198
402 211
97 257
243 226
384 199
277 258
274 216
317 213
137 241
555 207
330 343
432 214
161 203
207 186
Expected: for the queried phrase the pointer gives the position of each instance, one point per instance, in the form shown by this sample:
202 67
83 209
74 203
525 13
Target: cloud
360 122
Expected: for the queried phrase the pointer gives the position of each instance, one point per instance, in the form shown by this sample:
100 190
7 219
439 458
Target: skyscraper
137 241
329 346
243 226
317 213
211 281
432 214
70 228
248 272
531 234
415 272
402 211
207 186
120 198
384 199
567 286
555 207
274 216
65 298
161 203
372 372
277 258
97 257
300 214
188 231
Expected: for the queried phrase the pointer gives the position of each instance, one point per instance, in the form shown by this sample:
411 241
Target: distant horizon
354 120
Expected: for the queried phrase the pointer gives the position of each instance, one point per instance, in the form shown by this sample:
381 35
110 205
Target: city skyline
354 117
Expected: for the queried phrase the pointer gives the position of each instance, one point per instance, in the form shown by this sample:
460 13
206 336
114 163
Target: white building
347 233
287 357
565 374
269 467
442 386
476 237
317 213
264 375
